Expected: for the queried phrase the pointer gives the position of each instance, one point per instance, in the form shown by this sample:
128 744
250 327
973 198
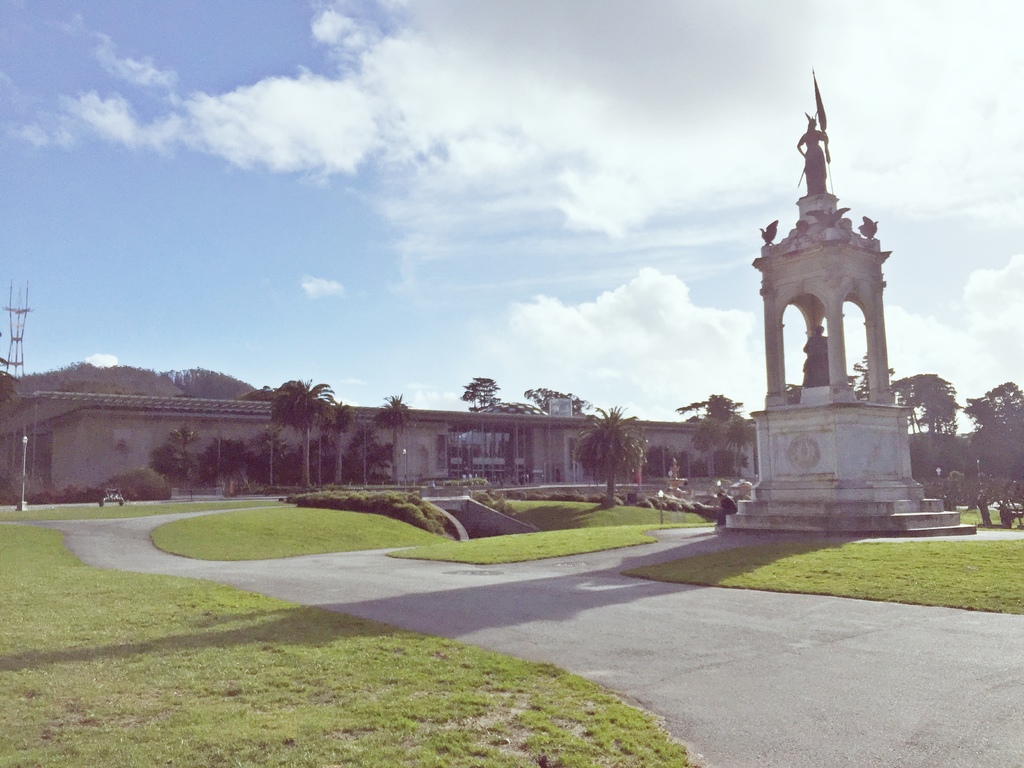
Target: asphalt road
746 679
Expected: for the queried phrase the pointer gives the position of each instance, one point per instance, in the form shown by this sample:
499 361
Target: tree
543 397
720 425
224 458
860 381
482 393
609 444
717 407
338 420
933 400
395 416
709 438
301 406
739 433
173 459
998 438
366 460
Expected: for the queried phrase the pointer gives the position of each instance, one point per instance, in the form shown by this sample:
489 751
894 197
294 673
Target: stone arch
867 298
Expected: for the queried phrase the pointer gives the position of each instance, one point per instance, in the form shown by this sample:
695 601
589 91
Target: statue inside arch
816 365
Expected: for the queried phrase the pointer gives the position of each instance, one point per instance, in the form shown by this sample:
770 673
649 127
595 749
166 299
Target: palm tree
395 416
609 444
339 419
301 406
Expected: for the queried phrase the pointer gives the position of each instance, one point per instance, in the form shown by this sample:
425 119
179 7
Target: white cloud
113 118
612 117
432 399
645 340
141 72
979 346
318 287
102 360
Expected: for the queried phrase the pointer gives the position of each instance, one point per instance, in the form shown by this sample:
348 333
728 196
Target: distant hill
127 380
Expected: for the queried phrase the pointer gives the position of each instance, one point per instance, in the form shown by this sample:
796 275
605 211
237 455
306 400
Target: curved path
744 678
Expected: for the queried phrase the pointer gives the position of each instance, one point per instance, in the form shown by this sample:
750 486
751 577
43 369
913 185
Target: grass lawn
284 531
533 546
560 515
113 511
102 668
977 575
973 517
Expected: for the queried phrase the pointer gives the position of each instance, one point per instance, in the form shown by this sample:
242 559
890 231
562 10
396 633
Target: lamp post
405 455
24 464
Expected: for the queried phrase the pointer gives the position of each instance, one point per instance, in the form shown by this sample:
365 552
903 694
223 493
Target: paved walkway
744 678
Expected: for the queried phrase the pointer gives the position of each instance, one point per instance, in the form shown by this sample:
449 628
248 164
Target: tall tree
720 425
338 420
609 444
301 406
717 407
933 400
395 416
173 459
543 397
482 393
860 380
998 438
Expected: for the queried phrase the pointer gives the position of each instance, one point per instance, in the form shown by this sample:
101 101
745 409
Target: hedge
405 507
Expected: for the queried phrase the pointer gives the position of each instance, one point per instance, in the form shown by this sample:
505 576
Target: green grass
973 517
561 515
103 668
113 511
977 575
284 531
533 546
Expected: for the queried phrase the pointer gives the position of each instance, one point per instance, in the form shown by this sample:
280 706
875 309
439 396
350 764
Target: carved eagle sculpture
828 219
768 233
868 228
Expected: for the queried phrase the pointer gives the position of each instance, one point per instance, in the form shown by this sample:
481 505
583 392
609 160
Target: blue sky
395 197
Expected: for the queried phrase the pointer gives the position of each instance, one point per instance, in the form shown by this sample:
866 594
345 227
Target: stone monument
831 462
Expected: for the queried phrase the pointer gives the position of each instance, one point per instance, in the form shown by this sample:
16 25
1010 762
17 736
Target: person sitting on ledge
726 506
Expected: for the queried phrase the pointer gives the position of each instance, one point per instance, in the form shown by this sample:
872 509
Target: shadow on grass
714 569
289 626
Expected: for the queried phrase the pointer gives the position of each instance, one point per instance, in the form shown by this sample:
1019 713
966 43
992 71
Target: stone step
905 524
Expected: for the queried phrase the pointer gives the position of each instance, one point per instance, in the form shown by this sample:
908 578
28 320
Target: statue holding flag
816 160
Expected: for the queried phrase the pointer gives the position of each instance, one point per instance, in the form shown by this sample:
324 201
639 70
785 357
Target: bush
72 494
497 503
405 507
142 484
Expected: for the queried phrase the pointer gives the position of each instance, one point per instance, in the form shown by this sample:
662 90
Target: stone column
836 344
774 350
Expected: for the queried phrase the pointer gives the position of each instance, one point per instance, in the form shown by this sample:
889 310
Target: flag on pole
822 120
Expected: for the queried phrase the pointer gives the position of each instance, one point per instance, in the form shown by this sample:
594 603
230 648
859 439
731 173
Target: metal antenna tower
16 351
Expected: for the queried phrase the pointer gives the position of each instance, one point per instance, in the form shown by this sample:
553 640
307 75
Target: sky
397 196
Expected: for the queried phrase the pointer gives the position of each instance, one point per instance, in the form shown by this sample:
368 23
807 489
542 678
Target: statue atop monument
816 159
816 365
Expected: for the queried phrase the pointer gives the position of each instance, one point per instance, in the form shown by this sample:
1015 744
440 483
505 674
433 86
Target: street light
405 455
24 463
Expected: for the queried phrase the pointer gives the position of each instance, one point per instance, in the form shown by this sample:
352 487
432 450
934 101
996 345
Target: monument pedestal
839 467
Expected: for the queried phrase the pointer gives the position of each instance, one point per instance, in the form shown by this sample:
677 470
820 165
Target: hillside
128 380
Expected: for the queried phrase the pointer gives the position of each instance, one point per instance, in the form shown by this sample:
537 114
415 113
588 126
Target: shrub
405 507
142 484
497 503
72 494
